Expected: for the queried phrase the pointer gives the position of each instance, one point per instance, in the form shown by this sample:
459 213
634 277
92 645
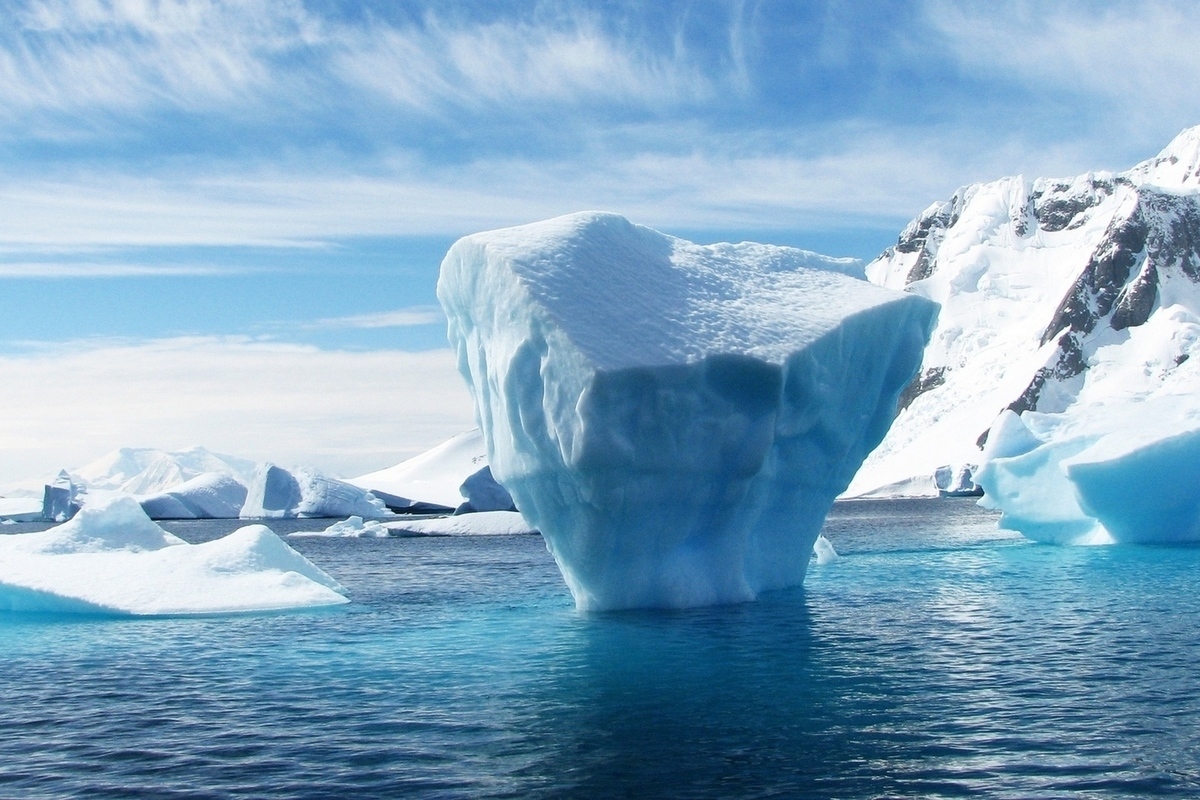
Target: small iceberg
354 527
112 559
482 523
823 550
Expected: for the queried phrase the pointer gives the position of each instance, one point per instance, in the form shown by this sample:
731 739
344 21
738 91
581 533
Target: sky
221 221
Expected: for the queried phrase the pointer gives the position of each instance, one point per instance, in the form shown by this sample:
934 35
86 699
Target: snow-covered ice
211 495
112 559
20 509
277 493
675 419
450 476
351 527
483 523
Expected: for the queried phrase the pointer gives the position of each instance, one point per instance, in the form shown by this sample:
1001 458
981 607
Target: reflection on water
936 657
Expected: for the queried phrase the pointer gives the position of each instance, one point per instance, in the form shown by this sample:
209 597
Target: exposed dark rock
1137 301
1067 364
922 383
1098 288
1058 206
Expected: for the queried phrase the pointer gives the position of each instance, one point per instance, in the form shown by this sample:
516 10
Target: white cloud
880 177
347 412
410 317
268 56
84 269
1140 55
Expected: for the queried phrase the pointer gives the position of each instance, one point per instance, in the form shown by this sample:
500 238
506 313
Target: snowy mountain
144 470
1054 292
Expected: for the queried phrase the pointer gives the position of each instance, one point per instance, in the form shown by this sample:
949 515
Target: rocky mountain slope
1042 284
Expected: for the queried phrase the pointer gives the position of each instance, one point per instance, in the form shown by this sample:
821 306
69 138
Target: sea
937 656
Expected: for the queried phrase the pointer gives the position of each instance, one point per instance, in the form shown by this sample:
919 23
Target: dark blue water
936 658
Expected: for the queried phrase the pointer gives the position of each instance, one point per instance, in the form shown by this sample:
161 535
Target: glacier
676 419
1057 295
112 559
278 493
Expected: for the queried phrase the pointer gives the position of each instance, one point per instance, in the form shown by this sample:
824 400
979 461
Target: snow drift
112 559
675 419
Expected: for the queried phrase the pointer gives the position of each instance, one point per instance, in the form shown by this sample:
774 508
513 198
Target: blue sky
273 183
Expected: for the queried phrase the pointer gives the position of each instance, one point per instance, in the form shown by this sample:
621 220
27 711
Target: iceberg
351 527
276 493
1109 473
676 419
112 559
211 495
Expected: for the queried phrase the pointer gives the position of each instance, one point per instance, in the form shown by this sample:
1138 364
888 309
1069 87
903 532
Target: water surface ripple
937 657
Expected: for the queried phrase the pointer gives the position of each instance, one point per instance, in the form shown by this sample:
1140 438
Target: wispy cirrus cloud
410 317
1138 56
85 269
281 58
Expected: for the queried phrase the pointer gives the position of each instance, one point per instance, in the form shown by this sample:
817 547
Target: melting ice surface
112 559
675 419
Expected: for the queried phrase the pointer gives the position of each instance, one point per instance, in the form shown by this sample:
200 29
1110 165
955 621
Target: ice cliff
675 419
1075 297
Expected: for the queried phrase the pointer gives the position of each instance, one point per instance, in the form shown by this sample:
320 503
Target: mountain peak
1177 166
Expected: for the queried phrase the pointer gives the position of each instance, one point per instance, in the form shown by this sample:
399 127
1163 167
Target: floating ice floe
353 527
277 493
112 559
823 550
483 523
675 419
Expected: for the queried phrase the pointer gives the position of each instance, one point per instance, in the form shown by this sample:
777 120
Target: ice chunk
354 527
823 550
676 419
211 495
112 559
277 493
483 523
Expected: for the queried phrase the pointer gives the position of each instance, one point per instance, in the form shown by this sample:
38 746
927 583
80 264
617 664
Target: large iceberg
112 559
675 419
277 493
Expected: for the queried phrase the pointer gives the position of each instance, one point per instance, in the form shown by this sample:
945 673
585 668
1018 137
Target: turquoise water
937 657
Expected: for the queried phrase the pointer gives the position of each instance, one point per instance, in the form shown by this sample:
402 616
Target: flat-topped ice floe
675 419
112 559
481 523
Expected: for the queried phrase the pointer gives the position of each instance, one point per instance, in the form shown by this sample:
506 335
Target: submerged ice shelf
675 419
112 559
